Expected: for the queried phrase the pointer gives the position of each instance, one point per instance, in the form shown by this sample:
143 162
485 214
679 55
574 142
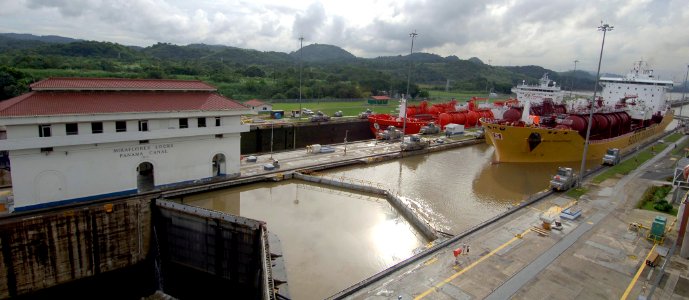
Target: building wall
58 129
262 108
76 173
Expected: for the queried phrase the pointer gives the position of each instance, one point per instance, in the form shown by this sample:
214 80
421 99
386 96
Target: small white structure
259 106
452 129
77 139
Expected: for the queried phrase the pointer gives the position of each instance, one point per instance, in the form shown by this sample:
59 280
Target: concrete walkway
527 274
593 257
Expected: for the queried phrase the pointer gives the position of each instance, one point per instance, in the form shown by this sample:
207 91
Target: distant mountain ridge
56 39
324 61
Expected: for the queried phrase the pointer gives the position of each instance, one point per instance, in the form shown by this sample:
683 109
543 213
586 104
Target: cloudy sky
501 32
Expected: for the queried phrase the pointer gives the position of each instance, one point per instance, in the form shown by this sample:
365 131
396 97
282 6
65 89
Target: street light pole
301 42
574 77
684 91
345 142
404 114
604 28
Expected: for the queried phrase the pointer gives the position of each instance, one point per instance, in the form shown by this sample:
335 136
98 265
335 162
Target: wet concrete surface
595 256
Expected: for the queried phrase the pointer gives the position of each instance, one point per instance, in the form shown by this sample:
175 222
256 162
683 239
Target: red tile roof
74 103
120 84
254 102
380 97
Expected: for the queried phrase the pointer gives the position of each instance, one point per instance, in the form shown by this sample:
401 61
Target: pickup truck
563 180
319 117
431 128
611 157
390 133
413 142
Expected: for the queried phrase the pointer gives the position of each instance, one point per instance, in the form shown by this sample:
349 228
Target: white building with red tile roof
259 106
78 139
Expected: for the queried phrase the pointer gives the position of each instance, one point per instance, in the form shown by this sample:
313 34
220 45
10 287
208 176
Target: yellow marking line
536 209
430 261
469 267
636 277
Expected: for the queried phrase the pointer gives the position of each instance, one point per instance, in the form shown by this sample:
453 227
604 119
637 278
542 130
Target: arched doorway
219 165
144 179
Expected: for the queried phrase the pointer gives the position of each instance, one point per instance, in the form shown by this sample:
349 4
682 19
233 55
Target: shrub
663 206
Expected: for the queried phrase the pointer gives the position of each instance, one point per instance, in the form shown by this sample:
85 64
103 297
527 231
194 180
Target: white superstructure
77 139
642 92
534 94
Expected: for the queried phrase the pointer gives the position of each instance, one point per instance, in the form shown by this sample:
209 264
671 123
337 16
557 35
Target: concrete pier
395 200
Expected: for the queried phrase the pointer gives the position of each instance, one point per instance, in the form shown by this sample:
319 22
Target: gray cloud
506 32
69 8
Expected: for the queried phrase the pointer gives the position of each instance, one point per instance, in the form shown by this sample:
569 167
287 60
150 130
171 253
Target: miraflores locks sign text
143 150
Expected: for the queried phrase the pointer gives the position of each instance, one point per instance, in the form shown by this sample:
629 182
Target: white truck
390 133
431 128
611 157
564 179
452 129
413 142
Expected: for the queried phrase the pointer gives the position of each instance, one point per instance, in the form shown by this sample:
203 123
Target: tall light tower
301 42
411 51
574 77
604 28
684 91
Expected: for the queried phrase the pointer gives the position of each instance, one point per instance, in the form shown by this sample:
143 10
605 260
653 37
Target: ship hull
518 144
413 125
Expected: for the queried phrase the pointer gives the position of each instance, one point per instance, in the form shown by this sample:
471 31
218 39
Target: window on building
72 128
265 108
44 130
120 126
143 125
201 122
183 123
217 121
47 149
143 141
96 127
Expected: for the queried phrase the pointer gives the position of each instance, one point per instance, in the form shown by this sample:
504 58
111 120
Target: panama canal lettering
143 150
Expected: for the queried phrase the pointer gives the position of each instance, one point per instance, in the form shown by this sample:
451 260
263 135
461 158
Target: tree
12 82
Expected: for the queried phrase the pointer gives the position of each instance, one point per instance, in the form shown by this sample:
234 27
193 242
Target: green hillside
327 71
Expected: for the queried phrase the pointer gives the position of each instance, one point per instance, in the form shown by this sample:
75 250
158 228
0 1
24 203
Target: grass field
353 108
634 162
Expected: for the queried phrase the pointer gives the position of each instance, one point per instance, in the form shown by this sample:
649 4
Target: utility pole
404 114
301 43
684 91
345 142
604 28
574 78
272 125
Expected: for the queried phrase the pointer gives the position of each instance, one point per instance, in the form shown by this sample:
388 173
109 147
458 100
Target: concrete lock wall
42 250
211 253
257 140
95 250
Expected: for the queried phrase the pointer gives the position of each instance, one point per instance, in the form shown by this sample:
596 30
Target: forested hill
327 71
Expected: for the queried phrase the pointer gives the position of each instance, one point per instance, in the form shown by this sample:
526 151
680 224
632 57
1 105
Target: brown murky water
333 238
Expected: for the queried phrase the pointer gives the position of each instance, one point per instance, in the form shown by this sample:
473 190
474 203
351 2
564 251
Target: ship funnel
403 108
526 112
